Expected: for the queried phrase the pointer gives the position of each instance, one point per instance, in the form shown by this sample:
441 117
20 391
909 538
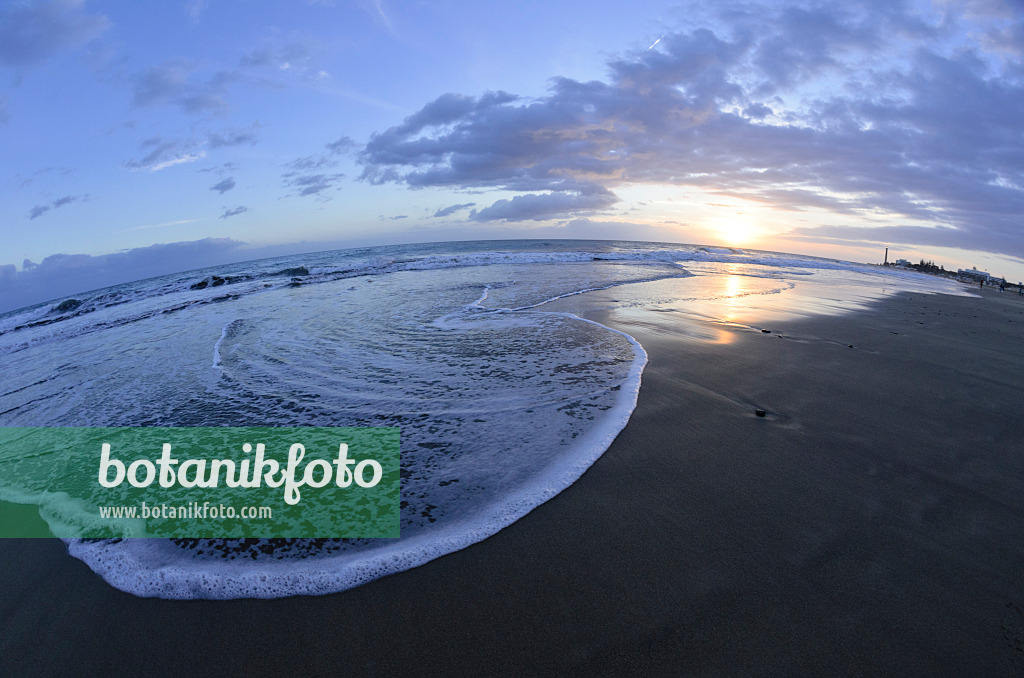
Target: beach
870 523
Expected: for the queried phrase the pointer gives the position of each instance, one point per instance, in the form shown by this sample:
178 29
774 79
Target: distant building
903 263
974 275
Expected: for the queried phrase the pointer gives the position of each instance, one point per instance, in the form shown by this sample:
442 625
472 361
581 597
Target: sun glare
736 231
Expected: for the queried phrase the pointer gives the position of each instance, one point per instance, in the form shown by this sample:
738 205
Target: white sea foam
216 348
141 566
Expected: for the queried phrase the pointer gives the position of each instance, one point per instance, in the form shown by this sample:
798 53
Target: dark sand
871 524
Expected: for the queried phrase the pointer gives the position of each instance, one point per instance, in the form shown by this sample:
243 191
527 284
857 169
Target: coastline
871 523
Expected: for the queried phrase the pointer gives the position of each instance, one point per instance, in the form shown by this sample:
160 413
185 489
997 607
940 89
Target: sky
145 138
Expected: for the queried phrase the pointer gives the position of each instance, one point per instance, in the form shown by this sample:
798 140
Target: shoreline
871 523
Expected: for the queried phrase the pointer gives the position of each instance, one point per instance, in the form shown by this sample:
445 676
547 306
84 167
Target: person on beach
1002 286
1020 288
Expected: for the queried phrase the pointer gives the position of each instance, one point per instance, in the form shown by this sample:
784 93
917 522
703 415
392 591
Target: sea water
502 400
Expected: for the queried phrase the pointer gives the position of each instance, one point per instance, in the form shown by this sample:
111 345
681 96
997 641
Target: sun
736 230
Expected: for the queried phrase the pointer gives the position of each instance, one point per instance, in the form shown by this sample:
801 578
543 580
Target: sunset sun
736 231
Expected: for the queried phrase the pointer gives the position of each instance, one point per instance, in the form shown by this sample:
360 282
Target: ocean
480 352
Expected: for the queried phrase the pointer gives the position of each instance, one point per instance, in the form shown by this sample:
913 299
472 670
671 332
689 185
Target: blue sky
175 135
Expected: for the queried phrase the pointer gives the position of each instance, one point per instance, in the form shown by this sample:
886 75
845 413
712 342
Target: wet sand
872 523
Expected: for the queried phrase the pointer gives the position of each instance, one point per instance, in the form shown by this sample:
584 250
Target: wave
166 568
133 302
502 404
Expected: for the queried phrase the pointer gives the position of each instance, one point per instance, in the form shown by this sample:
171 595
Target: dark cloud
858 109
308 175
160 84
65 274
176 83
312 184
162 154
223 186
34 31
452 209
60 202
40 210
756 111
540 207
311 162
342 146
221 169
241 209
244 137
806 42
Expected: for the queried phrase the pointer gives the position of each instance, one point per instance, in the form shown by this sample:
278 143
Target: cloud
756 111
176 83
34 31
40 210
868 110
590 229
223 186
195 90
195 9
312 184
164 154
939 236
452 209
376 9
234 137
342 146
311 162
66 274
540 207
279 65
307 173
222 168
293 55
241 209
